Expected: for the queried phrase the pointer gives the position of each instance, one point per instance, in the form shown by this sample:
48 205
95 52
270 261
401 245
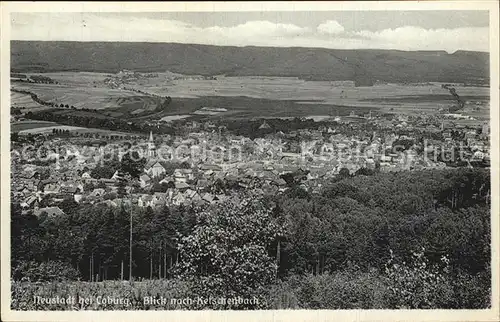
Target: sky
402 30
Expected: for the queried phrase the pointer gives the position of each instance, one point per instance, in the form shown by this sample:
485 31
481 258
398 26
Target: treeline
39 79
42 79
18 75
453 92
94 240
108 123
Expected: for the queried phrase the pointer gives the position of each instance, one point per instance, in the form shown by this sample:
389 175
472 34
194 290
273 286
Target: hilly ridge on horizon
364 66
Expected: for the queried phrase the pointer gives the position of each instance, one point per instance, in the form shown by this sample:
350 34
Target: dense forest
416 239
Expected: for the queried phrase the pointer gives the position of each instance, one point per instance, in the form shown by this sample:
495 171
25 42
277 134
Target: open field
80 96
75 78
251 96
25 102
175 117
429 97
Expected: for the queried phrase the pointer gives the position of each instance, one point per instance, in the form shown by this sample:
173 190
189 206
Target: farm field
252 96
395 98
75 78
174 117
80 96
29 125
250 107
291 88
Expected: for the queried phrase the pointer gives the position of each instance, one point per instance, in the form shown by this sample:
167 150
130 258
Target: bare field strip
29 125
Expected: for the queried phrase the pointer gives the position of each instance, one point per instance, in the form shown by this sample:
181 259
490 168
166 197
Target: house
69 189
157 170
51 188
385 158
208 198
116 175
249 173
98 192
268 175
208 169
161 195
181 185
50 211
144 180
232 171
140 202
279 182
158 200
25 190
264 126
183 175
31 174
78 197
478 156
167 180
68 185
108 203
190 194
29 202
108 182
196 198
178 199
86 175
145 201
120 202
202 184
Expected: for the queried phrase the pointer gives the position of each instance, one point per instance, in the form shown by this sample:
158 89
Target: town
206 161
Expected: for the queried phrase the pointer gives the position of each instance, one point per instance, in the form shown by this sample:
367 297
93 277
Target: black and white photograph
276 158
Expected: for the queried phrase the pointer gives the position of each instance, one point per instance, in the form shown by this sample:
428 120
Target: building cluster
199 167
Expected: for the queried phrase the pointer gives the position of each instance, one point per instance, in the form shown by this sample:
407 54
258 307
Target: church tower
151 146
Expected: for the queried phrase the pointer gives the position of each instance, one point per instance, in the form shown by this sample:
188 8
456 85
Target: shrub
348 289
419 285
226 254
